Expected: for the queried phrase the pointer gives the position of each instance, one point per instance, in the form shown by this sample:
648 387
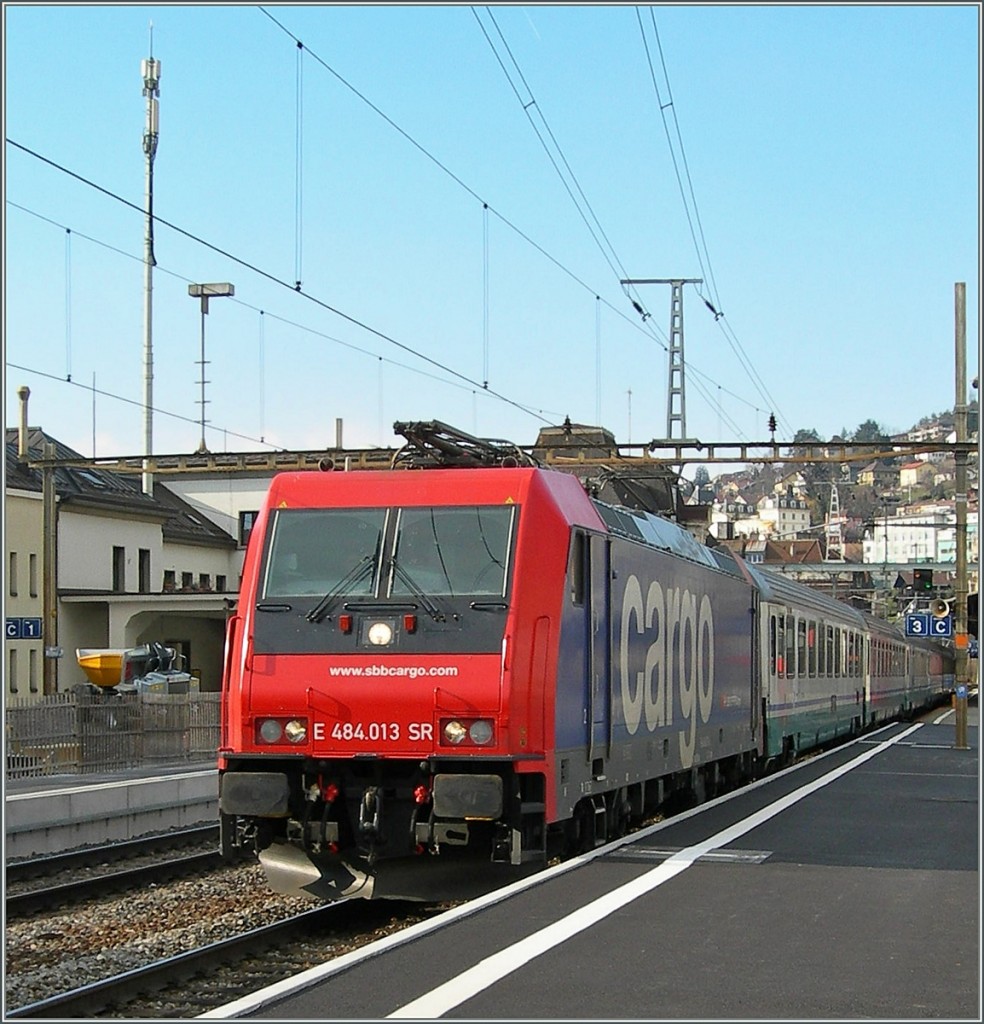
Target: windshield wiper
320 611
429 606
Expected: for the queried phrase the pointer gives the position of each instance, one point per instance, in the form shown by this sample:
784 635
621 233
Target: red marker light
410 623
331 793
345 623
421 795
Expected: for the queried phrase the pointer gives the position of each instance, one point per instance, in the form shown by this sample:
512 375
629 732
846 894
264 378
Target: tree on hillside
806 437
870 431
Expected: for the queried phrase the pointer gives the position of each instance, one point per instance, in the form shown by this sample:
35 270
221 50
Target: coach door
756 680
599 639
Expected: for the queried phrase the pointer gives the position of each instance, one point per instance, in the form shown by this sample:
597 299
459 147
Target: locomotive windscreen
313 550
450 551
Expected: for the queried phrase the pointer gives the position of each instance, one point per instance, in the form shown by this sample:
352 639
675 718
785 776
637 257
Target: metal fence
78 733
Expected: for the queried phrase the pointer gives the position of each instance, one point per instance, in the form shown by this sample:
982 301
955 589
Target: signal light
922 580
345 623
409 623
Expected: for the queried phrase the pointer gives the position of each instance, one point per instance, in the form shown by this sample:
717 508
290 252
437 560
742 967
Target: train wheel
619 815
583 831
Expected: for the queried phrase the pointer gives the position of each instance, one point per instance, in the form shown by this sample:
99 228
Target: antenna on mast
150 71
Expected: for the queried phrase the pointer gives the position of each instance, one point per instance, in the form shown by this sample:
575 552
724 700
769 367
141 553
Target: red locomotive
438 679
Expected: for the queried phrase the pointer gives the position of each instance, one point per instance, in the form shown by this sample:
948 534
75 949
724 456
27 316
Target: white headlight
480 731
295 731
380 634
271 731
455 732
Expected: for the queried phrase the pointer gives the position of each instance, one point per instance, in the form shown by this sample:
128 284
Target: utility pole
49 590
676 402
150 71
960 465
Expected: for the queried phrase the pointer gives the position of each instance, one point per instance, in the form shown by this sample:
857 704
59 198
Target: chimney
23 393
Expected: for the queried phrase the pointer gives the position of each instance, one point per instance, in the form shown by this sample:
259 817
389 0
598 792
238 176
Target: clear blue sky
829 160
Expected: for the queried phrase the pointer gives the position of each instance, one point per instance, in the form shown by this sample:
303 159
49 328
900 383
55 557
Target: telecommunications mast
676 397
835 540
150 71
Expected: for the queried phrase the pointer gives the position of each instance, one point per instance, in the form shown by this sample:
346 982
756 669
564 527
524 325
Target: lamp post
206 292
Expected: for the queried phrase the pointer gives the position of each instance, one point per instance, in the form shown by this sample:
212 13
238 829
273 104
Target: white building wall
198 561
221 498
85 550
23 593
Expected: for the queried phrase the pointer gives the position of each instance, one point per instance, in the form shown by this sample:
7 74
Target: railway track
46 883
204 978
122 989
89 857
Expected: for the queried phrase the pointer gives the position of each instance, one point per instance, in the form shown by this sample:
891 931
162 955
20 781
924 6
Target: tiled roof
100 488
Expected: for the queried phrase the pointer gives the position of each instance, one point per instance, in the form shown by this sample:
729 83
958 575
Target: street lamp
206 292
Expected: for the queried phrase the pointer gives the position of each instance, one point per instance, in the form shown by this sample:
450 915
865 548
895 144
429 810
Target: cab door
599 645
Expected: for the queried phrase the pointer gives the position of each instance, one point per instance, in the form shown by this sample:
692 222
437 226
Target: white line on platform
289 986
490 970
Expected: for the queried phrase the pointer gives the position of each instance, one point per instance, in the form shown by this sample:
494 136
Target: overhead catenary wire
530 241
298 164
692 210
612 259
252 267
68 304
609 254
237 300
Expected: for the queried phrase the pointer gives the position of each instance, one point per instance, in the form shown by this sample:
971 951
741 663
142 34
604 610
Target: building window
220 583
187 581
32 667
169 581
32 567
143 571
12 574
119 570
204 581
12 669
246 520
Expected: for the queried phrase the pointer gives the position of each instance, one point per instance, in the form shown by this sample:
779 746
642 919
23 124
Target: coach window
821 649
790 647
775 646
801 647
837 651
811 649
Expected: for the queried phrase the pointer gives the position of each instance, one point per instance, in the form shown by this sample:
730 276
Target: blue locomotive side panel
682 672
677 669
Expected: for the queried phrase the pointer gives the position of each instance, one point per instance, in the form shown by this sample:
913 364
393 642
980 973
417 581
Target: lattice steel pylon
676 397
835 541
